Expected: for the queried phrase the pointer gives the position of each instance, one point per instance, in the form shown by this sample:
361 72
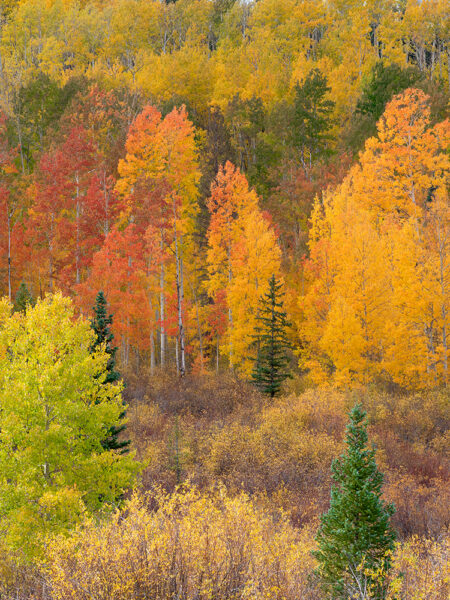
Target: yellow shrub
421 569
207 547
282 448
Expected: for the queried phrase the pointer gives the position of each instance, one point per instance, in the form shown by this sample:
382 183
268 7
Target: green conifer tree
272 361
23 298
312 118
101 325
355 538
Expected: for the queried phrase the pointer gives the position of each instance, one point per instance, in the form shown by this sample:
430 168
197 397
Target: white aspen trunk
162 309
152 353
180 298
19 135
200 338
78 211
9 253
444 342
123 349
127 343
448 67
230 316
106 197
442 256
152 339
50 249
217 355
180 294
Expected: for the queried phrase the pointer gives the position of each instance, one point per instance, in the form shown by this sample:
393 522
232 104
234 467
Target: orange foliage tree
242 255
120 270
159 178
378 272
68 212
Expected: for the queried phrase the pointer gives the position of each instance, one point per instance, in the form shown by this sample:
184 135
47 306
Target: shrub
422 570
202 547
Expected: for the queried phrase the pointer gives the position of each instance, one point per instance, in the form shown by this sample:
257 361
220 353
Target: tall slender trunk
444 293
180 295
152 341
9 253
127 342
448 67
50 251
19 135
152 352
162 308
78 215
230 315
106 197
217 355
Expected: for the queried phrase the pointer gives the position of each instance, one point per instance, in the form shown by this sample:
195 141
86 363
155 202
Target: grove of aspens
224 300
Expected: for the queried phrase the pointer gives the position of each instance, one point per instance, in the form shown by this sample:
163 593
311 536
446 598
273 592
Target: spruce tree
272 361
355 538
101 325
23 298
312 118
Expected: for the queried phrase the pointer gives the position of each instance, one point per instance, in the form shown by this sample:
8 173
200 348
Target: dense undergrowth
232 490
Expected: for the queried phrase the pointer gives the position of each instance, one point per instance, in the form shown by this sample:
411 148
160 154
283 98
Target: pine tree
384 82
355 538
271 367
23 298
101 325
312 118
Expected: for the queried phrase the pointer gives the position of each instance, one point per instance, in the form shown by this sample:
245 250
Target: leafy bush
194 546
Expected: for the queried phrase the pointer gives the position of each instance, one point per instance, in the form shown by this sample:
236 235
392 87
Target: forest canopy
223 225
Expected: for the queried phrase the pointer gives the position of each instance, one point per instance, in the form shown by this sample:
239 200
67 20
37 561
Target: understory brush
221 430
232 491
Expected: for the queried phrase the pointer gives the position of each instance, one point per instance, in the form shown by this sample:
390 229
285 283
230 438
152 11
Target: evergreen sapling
23 298
355 538
101 325
272 361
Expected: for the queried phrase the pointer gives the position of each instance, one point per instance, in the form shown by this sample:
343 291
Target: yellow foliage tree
56 411
378 273
242 255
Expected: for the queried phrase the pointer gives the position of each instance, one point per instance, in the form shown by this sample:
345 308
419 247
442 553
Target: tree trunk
217 355
9 253
177 358
19 135
78 214
106 197
50 251
180 294
152 353
230 315
162 308
442 281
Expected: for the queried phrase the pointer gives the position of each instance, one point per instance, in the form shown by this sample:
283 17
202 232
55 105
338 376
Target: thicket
207 546
255 477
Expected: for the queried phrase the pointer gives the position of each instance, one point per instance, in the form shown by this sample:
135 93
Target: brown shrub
207 430
420 509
